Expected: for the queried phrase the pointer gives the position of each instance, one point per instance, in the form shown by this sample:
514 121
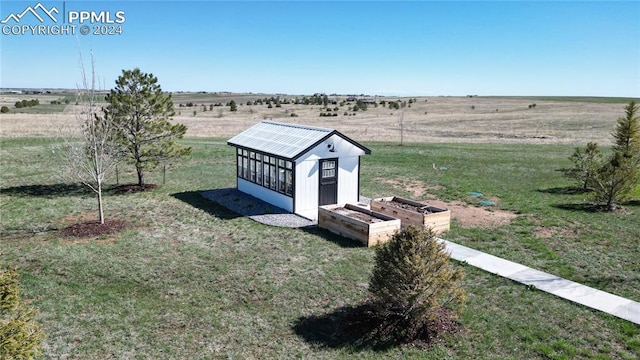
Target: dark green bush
413 283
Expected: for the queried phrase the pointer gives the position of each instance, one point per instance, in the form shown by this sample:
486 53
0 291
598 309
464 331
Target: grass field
566 120
192 280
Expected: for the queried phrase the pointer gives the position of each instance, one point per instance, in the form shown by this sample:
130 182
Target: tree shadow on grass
195 199
349 327
47 191
589 208
334 238
633 203
361 327
125 189
604 282
595 208
567 190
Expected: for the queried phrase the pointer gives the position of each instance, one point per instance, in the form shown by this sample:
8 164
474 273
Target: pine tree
142 114
20 334
616 180
586 163
627 133
412 281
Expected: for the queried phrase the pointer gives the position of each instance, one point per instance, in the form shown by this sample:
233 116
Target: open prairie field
189 279
428 119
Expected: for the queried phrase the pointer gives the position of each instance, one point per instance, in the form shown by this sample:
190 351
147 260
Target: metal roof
284 140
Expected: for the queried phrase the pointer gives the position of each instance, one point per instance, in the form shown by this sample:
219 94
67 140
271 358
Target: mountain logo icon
35 12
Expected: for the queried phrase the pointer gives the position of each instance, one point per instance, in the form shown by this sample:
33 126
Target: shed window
328 169
266 170
281 179
244 167
289 177
259 169
272 177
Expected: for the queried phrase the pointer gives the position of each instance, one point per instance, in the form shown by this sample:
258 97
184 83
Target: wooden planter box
335 219
415 213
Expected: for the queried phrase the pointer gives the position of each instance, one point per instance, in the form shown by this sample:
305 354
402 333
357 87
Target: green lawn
38 109
192 280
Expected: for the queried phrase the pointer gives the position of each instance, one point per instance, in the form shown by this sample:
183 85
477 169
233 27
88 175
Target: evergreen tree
20 334
142 114
620 175
615 181
627 133
233 106
412 281
586 163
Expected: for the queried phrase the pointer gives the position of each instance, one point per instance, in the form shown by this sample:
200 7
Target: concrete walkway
572 291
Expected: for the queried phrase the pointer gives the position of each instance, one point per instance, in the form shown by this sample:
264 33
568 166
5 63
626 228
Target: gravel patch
256 209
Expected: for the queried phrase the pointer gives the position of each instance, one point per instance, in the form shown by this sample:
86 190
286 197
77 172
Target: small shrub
4 110
413 284
294 115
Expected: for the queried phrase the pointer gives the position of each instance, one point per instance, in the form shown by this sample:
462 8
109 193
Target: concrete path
572 291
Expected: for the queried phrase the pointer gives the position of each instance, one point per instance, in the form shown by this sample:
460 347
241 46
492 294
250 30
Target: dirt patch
416 187
93 228
465 214
471 216
357 215
546 232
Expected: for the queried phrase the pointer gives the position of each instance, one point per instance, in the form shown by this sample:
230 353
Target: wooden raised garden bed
354 222
413 213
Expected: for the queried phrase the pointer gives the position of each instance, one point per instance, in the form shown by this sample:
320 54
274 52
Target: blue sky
301 47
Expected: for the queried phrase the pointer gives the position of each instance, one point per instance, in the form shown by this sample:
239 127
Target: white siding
265 194
348 179
307 182
306 189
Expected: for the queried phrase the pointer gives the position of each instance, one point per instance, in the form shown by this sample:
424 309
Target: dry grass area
428 119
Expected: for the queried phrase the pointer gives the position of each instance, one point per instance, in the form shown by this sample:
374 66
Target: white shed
298 167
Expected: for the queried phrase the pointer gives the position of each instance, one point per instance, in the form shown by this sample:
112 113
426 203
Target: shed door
328 182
